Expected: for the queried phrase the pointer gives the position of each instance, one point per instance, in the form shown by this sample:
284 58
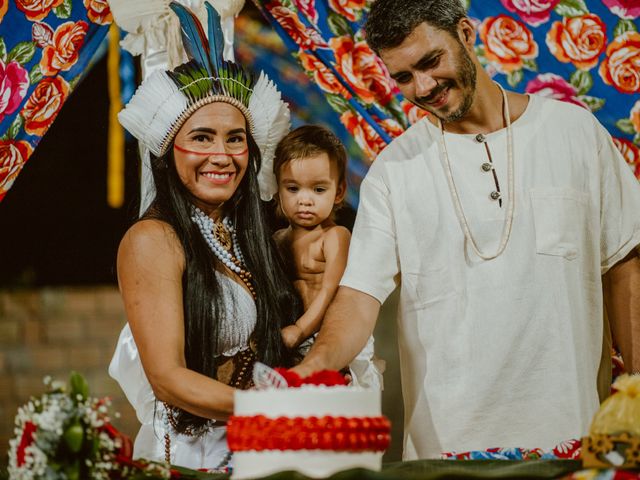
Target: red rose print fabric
45 49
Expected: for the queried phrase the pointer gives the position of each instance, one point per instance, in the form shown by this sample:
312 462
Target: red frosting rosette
328 378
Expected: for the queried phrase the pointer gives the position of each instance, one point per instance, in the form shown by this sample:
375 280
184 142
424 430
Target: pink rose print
308 7
627 9
533 12
554 86
14 82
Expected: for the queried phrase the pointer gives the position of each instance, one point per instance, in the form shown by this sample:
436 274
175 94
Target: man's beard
465 80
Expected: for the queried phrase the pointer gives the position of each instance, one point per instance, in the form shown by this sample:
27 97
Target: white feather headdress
166 99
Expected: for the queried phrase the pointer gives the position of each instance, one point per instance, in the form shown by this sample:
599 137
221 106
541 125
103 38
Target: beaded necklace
223 242
508 222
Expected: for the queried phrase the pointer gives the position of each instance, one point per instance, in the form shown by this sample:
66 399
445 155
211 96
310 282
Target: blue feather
216 37
193 37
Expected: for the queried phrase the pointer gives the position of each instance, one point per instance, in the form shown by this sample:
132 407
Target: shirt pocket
559 216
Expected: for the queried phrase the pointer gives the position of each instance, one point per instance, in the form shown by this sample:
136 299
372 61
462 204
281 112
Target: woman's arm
150 267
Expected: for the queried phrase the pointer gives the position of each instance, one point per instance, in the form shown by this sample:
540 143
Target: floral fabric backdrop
587 53
45 48
257 45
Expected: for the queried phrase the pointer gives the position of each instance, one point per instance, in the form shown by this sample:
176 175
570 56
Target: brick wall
51 332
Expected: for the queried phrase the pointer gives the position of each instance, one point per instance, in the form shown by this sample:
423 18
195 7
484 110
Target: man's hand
345 330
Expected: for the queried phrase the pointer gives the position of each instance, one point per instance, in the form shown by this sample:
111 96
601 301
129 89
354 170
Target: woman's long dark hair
277 302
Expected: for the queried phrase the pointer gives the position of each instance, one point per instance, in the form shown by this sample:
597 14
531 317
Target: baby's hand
292 336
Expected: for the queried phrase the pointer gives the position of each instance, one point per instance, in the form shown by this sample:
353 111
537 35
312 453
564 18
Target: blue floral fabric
584 53
45 48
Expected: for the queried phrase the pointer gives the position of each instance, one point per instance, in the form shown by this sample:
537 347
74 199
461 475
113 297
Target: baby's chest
311 259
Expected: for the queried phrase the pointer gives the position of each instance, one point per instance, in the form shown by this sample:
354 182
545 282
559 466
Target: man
501 217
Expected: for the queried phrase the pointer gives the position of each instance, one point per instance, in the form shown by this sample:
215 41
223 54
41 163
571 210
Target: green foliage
571 8
393 109
15 127
481 54
79 386
74 436
514 78
623 27
3 50
22 53
594 103
64 10
626 126
338 103
339 25
582 80
531 65
35 75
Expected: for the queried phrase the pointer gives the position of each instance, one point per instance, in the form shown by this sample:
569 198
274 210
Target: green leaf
481 54
289 5
624 26
35 75
15 127
514 78
63 10
338 103
531 65
594 103
3 50
394 109
74 436
22 53
74 81
467 4
338 25
571 8
626 126
582 80
636 139
79 386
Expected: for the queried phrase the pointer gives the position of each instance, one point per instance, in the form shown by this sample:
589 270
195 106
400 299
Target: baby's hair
309 140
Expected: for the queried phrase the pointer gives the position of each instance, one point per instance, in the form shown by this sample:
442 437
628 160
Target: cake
316 430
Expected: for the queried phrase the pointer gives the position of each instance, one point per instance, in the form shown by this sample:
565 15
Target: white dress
208 450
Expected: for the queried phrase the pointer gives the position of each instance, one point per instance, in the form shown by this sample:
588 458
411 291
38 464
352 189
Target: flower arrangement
66 434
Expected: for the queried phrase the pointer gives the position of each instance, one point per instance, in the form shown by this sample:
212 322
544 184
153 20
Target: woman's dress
209 449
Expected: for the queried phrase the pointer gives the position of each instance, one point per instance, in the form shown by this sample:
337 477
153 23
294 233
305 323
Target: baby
310 168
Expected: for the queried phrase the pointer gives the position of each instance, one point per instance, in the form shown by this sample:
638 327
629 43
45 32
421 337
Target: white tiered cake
316 430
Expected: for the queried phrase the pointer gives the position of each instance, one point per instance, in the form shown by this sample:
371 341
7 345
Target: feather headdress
166 99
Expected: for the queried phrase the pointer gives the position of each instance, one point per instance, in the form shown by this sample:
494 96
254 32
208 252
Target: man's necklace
506 231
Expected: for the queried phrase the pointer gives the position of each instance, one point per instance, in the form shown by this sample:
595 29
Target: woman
204 293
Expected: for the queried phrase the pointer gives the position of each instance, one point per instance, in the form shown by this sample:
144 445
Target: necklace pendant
222 235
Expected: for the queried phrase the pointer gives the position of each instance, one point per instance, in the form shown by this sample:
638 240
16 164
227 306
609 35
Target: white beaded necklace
206 226
506 232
